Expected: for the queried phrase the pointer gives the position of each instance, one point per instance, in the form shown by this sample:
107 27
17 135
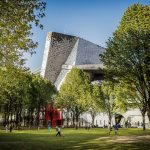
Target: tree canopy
16 20
136 17
127 54
20 90
74 92
129 97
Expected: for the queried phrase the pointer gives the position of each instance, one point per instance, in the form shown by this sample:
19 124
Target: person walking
58 131
116 128
49 126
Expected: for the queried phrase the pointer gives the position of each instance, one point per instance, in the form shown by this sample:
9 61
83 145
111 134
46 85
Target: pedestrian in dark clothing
116 128
58 131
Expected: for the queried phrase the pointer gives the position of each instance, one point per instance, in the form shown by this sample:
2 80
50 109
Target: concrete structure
62 52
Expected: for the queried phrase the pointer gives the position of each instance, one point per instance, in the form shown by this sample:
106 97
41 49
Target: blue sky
93 20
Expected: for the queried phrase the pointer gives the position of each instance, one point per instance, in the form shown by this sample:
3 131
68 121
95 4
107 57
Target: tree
111 99
64 103
13 92
127 54
106 99
128 97
94 107
74 92
41 93
16 20
20 90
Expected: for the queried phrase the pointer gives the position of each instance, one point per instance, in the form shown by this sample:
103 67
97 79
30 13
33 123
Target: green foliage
136 17
20 90
74 93
107 97
93 97
128 51
75 90
126 97
16 20
40 91
13 84
112 98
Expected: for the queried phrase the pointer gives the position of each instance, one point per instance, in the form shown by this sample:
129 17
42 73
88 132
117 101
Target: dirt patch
129 139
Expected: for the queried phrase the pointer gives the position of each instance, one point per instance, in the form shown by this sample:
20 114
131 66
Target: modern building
62 52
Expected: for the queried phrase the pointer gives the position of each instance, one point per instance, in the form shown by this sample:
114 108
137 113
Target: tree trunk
28 119
77 121
109 123
38 114
51 117
148 114
11 117
17 118
20 114
77 113
93 118
6 112
73 120
143 118
67 122
67 117
5 120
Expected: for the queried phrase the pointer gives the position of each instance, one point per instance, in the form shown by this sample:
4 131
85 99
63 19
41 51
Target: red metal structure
53 115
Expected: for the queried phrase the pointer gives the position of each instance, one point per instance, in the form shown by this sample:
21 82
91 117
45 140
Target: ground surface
132 139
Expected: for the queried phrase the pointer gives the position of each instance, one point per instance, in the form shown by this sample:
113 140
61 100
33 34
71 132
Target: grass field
75 139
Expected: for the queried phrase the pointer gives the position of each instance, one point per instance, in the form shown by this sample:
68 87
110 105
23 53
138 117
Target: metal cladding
62 52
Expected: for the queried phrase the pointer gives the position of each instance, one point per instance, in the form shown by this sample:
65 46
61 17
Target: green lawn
75 139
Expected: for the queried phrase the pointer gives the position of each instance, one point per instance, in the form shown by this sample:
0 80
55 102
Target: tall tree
94 107
17 18
128 51
106 99
111 99
74 92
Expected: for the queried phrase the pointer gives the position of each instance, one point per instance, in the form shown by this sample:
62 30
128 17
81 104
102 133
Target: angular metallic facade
62 52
